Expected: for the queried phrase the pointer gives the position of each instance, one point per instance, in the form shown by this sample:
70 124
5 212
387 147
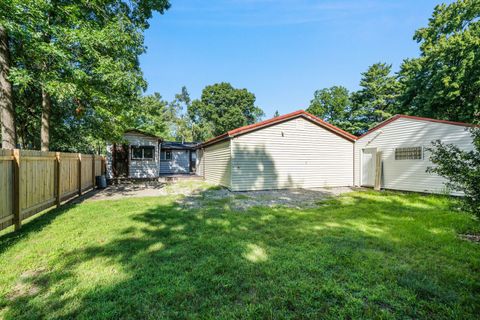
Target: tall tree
443 82
377 98
7 115
150 115
82 56
222 108
334 106
185 129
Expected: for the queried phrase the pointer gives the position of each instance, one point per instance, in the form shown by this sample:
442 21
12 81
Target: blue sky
281 50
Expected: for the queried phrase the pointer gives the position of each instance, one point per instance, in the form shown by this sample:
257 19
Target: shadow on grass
359 256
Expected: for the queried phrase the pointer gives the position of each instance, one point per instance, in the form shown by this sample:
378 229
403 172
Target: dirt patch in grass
198 193
26 286
149 189
470 237
292 198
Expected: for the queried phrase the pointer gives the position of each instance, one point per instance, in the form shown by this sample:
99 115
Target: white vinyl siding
142 168
216 160
410 175
180 162
200 163
293 154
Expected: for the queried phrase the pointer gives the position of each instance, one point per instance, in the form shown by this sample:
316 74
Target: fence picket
32 181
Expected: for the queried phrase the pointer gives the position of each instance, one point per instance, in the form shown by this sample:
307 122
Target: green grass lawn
363 255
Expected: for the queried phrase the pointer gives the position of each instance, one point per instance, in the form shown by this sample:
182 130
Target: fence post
17 219
93 171
58 178
79 174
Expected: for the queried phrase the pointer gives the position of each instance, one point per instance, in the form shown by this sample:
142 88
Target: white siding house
138 157
142 155
402 141
296 150
217 163
200 163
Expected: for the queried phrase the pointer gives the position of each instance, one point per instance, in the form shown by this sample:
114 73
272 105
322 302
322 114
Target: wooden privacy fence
32 181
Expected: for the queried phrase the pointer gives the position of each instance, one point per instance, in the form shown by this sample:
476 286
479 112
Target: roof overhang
143 133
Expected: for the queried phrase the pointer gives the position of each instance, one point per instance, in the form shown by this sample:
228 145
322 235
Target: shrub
461 168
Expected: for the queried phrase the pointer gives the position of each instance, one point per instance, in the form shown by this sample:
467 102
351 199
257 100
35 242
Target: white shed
402 141
296 150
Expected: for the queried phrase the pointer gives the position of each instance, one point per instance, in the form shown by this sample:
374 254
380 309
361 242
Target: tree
7 115
334 106
461 169
222 108
276 114
150 115
376 100
81 56
184 128
443 83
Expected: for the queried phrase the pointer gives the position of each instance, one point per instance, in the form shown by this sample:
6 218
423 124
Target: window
411 153
143 153
148 153
166 155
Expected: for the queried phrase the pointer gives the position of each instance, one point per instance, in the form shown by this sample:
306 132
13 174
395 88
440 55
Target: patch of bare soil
470 237
198 193
28 285
292 198
146 189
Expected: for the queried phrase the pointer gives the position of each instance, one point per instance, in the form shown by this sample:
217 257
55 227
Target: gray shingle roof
179 145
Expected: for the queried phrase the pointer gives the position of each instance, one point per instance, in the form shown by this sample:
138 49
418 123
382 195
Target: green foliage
443 83
84 54
183 127
360 110
461 169
150 115
366 255
334 106
222 108
376 99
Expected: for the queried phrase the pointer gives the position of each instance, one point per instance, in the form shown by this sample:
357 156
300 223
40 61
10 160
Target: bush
461 169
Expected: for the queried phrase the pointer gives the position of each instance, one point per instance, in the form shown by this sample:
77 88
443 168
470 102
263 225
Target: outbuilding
296 150
396 153
137 157
144 156
178 157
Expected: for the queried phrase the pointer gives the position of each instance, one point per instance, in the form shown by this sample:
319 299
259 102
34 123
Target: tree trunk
7 113
45 125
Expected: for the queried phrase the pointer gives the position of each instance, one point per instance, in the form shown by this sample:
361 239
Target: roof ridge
275 120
